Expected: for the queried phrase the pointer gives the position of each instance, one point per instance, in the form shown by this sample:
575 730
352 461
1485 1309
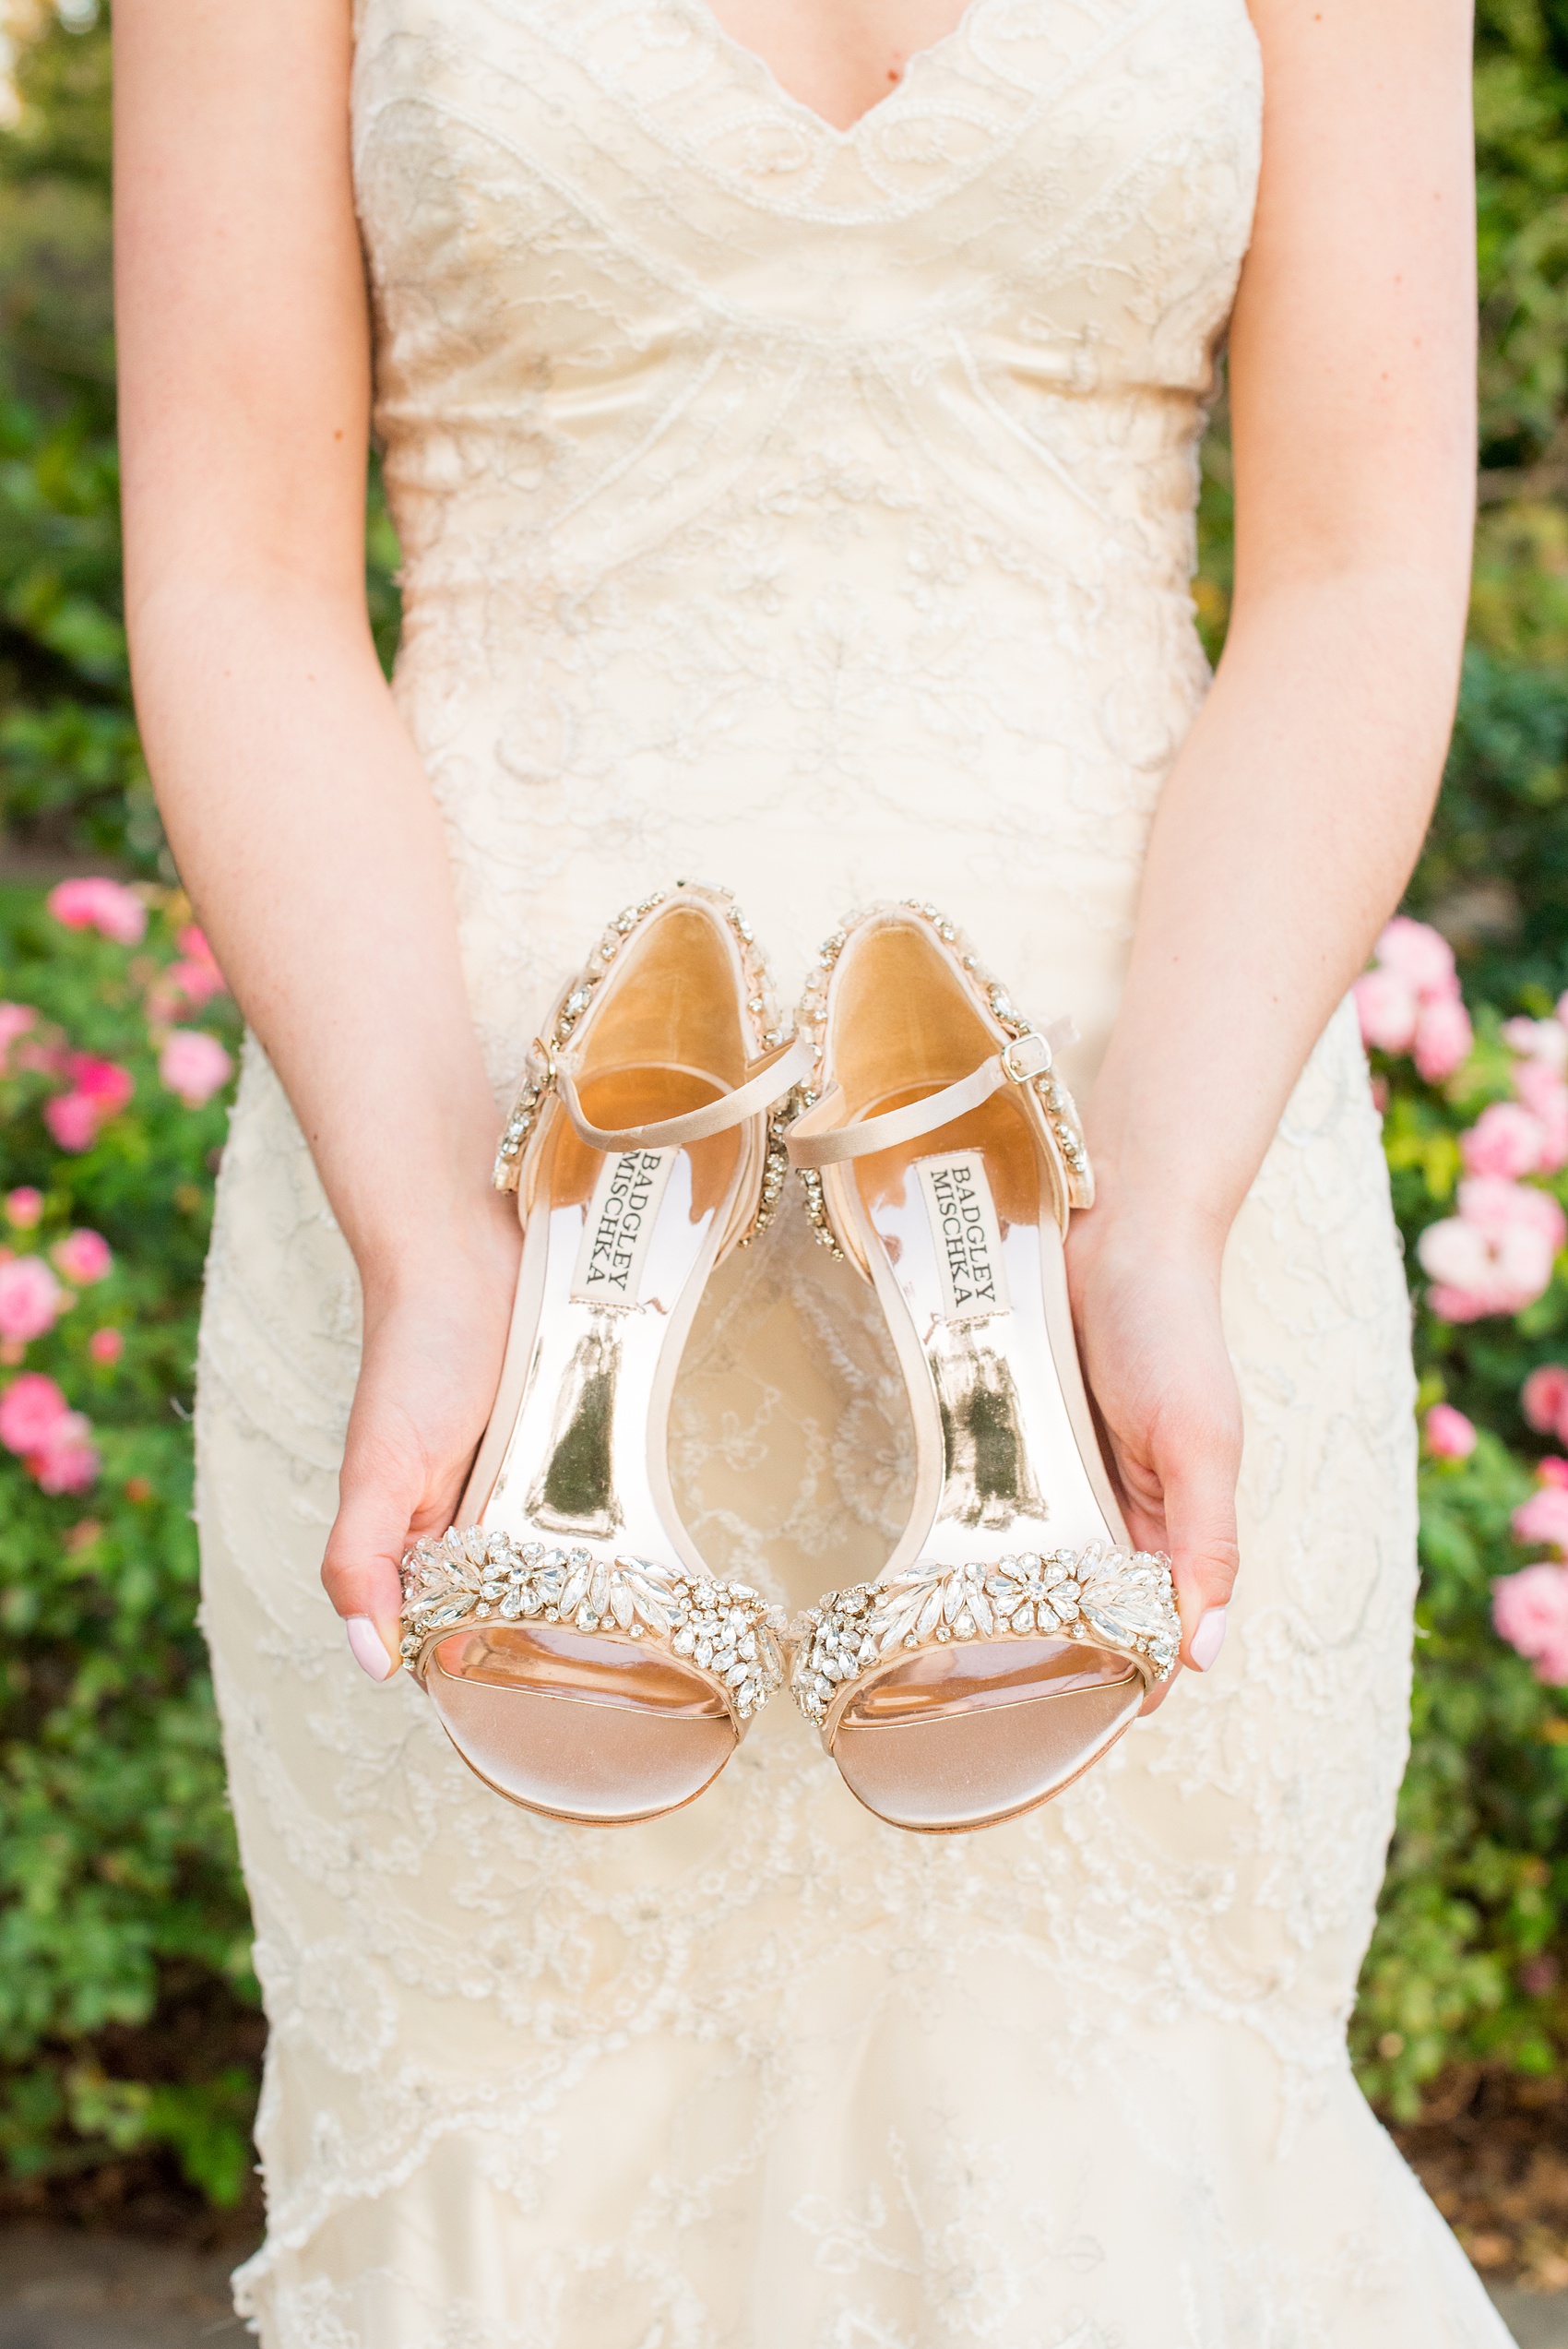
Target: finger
1159 1692
359 1570
1200 1517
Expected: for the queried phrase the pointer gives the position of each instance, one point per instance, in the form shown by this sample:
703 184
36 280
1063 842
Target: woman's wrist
1153 1209
465 1237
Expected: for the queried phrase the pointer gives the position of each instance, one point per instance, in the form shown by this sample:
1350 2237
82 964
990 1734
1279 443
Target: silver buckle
1039 1058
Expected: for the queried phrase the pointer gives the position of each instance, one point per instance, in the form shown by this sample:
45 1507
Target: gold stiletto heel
581 1658
1014 1634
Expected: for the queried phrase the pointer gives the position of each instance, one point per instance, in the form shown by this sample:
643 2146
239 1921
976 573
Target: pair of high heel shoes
580 1655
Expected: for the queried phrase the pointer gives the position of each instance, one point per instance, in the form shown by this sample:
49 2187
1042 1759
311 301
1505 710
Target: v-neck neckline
760 69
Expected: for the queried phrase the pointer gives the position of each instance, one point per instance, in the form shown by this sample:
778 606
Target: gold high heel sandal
1015 1632
580 1656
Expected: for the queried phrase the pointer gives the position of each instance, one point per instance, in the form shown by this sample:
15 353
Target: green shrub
117 1867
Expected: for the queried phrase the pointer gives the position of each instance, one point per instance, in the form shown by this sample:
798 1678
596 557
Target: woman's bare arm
298 811
1290 822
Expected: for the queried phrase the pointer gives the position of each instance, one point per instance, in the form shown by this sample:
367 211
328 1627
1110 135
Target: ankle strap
1023 1058
772 1078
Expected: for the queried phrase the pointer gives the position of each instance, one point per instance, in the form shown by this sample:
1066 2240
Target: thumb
359 1570
1200 1525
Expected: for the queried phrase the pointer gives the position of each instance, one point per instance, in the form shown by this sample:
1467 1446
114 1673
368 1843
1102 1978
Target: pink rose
1544 1093
1387 1009
1443 1038
99 1089
1541 1040
106 1345
84 1256
1544 1400
103 1082
1450 1436
24 1207
1530 1611
1420 955
1543 1518
1496 1255
1496 1207
31 1408
1538 1084
196 975
16 1019
73 1120
1504 1139
104 906
67 1463
195 1066
1553 1471
31 1298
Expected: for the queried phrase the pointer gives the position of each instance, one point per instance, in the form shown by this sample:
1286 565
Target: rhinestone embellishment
767 1030
1055 1101
1121 1599
472 1577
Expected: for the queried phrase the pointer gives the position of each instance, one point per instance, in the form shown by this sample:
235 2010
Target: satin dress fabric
813 511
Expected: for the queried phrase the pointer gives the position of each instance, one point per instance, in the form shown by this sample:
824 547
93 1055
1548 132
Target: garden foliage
119 1896
118 1882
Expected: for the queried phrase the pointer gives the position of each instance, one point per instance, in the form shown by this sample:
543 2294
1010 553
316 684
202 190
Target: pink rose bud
106 1345
1450 1436
31 1298
1388 1009
16 1019
196 978
84 1256
1544 1400
195 1066
24 1207
1444 1039
1553 1471
102 905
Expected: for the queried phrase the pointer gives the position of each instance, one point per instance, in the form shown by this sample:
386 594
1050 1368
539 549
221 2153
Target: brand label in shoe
966 1234
613 1260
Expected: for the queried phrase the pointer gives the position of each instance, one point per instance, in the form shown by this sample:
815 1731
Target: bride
789 411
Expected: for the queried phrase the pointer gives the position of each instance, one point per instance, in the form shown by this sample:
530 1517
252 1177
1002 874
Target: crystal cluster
1061 1113
474 1577
1121 1599
538 1073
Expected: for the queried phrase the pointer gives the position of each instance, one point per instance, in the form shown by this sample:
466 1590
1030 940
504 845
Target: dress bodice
617 267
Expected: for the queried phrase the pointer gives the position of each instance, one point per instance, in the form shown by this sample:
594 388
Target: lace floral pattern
813 511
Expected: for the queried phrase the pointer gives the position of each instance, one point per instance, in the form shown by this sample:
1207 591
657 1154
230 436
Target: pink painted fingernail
366 1647
1207 1640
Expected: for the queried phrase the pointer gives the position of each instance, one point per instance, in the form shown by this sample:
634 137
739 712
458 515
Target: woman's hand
1146 1306
434 1335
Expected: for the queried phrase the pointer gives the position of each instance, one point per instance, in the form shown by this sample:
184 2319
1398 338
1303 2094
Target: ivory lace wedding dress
812 512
